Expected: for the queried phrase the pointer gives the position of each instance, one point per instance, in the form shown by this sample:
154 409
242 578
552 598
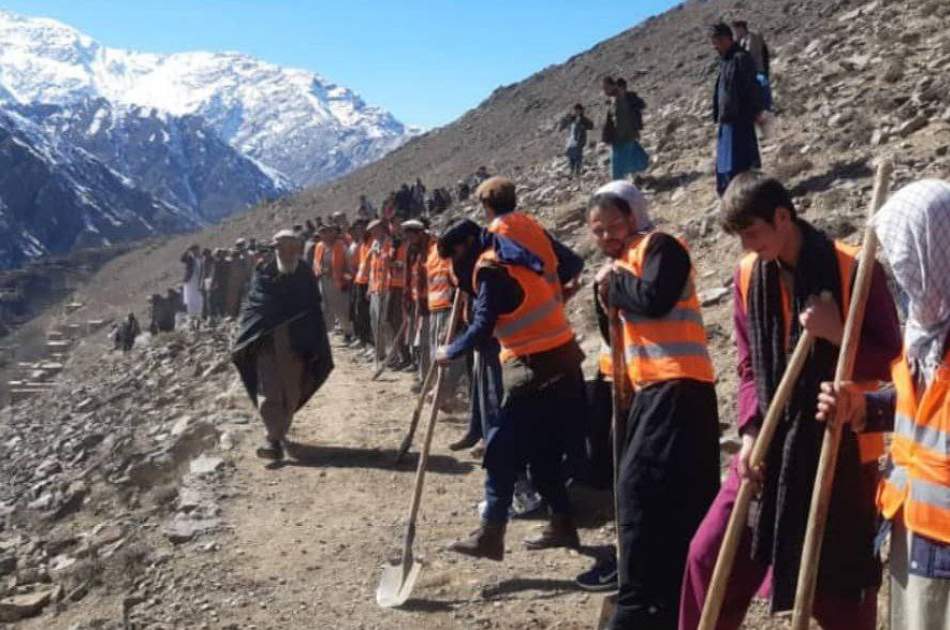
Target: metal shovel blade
395 585
607 611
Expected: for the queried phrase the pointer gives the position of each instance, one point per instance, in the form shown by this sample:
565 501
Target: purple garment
880 344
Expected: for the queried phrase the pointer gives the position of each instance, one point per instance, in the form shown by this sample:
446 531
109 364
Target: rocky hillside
112 518
852 81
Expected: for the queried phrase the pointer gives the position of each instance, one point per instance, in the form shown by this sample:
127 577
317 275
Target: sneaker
601 578
272 450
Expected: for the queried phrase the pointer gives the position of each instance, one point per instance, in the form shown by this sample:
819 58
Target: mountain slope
55 197
292 121
177 159
852 81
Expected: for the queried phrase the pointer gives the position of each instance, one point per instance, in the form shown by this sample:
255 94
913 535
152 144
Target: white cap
413 224
634 198
284 235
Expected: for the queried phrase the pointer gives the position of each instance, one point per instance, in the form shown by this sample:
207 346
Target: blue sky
426 61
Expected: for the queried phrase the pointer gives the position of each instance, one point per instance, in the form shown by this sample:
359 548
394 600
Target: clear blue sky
426 61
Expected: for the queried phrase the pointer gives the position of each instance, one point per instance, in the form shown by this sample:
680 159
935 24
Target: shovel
740 511
420 403
825 475
395 585
392 351
618 429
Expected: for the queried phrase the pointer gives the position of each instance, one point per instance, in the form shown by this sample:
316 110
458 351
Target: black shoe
559 532
468 441
487 542
601 578
273 451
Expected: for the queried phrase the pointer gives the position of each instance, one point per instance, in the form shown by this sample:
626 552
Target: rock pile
127 440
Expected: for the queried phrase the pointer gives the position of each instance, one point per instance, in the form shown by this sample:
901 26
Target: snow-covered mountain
292 121
56 196
178 159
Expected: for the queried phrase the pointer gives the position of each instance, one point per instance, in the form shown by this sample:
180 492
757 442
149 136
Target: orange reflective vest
605 362
870 445
396 261
417 277
664 348
337 263
528 233
439 280
377 268
538 324
362 263
918 477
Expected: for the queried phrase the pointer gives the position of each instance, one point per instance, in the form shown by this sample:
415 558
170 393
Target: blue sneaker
601 578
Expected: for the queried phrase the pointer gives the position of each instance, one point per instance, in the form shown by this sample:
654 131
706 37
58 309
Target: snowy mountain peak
289 120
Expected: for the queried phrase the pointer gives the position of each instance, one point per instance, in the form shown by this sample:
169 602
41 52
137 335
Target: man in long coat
282 351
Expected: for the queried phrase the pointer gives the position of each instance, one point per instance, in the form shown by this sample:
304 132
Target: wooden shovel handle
430 428
618 420
740 511
825 475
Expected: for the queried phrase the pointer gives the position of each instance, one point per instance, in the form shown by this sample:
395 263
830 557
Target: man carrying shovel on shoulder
669 465
790 263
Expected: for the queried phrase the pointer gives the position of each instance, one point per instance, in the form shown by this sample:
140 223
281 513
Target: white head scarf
913 228
634 198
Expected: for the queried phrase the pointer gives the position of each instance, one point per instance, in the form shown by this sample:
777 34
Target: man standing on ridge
622 129
282 351
669 468
736 108
790 263
755 45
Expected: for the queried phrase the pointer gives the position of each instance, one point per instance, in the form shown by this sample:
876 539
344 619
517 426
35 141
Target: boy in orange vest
913 228
669 470
789 264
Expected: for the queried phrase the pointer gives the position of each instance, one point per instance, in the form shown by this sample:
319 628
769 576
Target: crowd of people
386 283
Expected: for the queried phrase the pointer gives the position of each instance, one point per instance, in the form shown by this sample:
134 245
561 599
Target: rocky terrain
103 461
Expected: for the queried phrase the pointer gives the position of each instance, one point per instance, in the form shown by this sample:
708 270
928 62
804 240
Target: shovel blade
395 585
607 611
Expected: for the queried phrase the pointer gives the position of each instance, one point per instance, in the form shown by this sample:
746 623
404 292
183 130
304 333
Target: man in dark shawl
282 351
790 263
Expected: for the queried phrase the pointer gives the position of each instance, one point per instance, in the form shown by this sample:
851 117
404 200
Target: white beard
286 267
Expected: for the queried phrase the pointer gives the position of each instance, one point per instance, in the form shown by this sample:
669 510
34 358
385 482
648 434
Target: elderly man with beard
282 351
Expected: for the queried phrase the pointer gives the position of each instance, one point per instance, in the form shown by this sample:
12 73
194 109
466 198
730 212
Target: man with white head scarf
914 232
669 470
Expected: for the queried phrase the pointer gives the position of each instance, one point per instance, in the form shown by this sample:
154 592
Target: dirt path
309 537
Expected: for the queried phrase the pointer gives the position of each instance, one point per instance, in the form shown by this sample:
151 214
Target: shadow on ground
547 587
312 456
856 169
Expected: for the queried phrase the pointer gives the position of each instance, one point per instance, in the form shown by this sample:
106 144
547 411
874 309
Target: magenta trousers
749 576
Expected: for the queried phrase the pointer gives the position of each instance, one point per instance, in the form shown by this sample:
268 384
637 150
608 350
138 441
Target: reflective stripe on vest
439 280
917 479
397 266
870 445
377 268
363 258
538 324
664 348
528 233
